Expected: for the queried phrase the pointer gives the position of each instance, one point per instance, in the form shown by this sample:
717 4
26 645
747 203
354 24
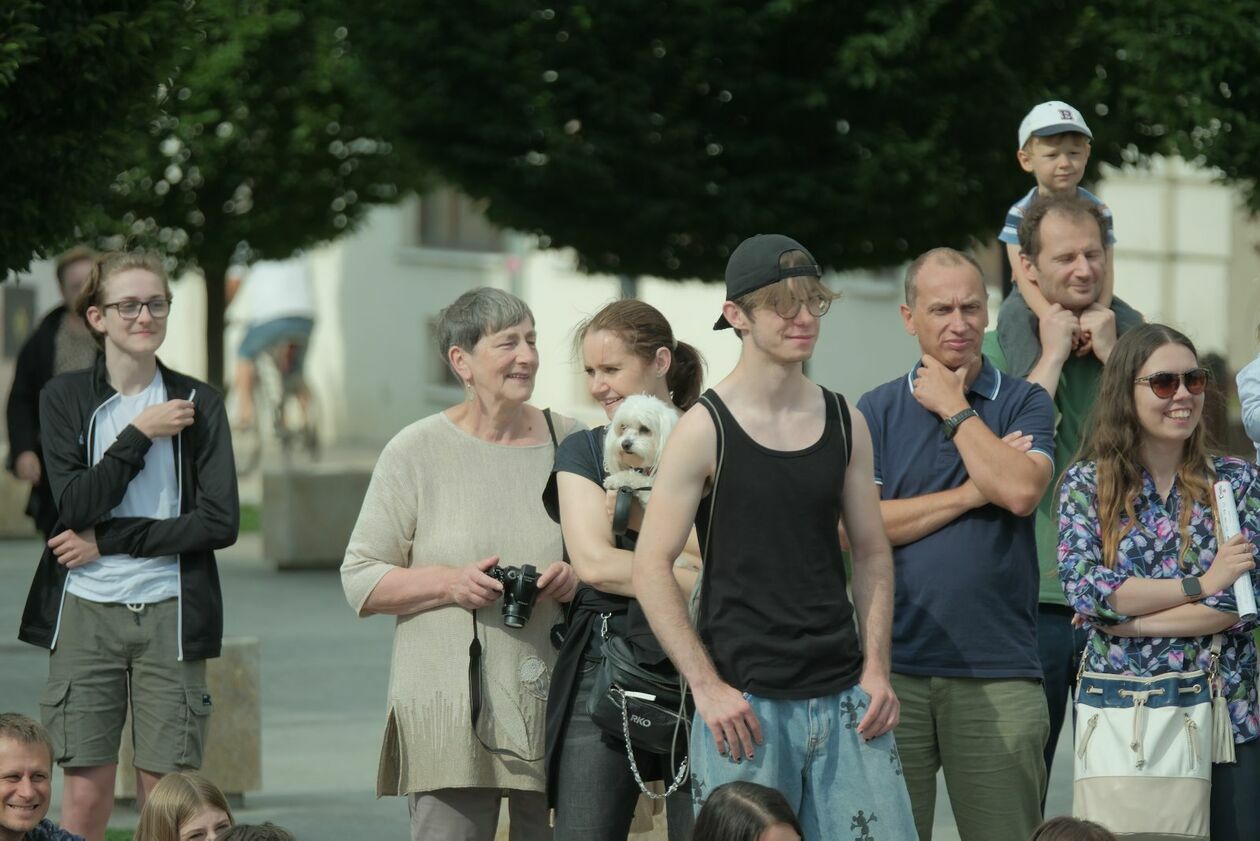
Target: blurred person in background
1249 396
59 344
281 308
454 499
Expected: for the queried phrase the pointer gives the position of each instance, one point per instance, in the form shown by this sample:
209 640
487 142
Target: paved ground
324 676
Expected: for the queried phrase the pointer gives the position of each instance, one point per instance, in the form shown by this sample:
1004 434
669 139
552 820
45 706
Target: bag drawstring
1192 734
1139 718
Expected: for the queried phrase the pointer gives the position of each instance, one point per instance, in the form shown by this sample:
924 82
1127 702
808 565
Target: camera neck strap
476 696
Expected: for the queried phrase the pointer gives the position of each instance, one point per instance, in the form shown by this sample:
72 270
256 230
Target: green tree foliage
652 136
262 144
75 80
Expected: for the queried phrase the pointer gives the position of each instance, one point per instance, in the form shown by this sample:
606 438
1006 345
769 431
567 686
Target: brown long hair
1114 435
645 330
176 799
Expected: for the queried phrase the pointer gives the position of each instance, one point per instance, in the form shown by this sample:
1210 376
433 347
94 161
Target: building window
450 220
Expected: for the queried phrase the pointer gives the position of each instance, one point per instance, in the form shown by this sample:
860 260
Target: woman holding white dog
454 500
627 349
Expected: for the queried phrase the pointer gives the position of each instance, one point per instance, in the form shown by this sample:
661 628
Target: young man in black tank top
785 695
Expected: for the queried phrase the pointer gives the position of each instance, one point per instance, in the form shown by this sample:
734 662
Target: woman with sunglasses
1138 554
127 594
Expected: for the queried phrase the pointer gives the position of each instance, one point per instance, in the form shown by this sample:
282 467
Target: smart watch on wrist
950 426
1191 586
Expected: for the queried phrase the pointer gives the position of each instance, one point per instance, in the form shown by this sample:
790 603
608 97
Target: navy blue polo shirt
966 602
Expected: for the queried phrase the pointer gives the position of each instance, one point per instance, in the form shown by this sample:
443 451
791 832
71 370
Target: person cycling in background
281 308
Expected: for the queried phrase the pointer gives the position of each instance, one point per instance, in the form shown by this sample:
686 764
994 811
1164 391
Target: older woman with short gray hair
449 529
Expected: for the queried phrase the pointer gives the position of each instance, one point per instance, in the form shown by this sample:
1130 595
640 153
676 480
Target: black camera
520 588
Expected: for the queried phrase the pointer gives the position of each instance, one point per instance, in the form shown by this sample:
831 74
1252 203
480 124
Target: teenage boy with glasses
766 466
1062 249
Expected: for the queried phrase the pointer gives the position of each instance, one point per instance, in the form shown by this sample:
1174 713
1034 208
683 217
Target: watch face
1190 586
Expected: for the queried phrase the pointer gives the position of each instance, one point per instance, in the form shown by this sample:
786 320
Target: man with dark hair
961 456
766 465
1062 250
61 343
26 782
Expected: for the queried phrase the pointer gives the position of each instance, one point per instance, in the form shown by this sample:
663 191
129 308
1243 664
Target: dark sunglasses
1165 383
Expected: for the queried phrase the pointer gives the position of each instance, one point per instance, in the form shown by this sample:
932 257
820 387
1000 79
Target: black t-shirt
582 454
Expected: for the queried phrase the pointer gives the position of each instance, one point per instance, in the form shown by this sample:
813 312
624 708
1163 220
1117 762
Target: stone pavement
324 677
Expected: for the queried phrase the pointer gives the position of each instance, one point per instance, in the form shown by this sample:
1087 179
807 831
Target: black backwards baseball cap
755 263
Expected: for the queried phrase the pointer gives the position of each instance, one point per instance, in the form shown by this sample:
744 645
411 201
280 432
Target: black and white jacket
86 493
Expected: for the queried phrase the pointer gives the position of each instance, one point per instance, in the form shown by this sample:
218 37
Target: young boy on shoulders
1054 145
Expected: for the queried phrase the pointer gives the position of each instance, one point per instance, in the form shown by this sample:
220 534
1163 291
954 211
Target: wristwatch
1191 587
949 427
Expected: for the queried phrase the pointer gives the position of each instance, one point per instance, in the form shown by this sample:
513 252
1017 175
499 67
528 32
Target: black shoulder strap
551 427
846 424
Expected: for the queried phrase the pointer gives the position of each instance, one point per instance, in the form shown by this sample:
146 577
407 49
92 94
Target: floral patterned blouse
1151 551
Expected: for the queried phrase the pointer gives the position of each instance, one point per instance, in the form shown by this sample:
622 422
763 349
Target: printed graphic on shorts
862 824
894 756
851 711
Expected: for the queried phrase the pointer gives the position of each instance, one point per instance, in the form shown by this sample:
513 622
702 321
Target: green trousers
988 736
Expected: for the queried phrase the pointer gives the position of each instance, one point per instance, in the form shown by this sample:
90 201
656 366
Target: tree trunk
215 271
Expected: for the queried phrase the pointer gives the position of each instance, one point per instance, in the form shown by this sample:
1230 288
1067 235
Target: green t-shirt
1073 400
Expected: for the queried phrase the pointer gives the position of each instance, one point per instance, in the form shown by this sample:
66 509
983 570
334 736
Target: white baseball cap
1052 117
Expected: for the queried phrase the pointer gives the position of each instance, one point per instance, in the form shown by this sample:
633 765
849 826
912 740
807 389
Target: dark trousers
597 792
1060 646
1234 787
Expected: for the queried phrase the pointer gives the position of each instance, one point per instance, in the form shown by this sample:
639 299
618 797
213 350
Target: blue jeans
1060 647
840 785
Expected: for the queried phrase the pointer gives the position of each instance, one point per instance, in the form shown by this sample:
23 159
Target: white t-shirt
278 289
154 493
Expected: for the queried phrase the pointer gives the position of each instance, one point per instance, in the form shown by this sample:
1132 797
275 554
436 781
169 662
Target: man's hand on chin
1099 323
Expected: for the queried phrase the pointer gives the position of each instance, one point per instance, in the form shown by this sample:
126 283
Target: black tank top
774 612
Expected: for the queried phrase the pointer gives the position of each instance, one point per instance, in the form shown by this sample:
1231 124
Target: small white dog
634 442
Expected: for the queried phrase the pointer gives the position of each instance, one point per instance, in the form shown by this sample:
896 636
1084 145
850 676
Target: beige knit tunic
441 496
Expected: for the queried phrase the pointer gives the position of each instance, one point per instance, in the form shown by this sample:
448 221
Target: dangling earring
468 390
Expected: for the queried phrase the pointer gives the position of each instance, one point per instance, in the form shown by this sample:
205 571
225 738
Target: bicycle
279 389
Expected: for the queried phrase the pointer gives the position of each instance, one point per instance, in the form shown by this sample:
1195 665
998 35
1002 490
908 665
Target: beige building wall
1186 254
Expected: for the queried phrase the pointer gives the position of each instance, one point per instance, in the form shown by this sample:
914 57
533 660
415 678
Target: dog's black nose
627 445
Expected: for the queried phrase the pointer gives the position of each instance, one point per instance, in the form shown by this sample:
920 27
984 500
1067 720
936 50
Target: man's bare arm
688 462
872 583
908 520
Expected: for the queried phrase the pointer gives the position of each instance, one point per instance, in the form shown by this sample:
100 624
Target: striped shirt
1010 231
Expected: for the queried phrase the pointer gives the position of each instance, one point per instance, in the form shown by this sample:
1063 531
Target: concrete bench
308 512
233 754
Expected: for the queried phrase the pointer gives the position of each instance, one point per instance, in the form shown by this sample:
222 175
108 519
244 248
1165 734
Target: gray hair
943 256
478 312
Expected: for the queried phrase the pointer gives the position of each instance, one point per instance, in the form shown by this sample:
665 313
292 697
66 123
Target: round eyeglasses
789 306
130 310
1165 383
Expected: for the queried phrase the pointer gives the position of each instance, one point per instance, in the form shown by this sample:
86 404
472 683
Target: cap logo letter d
1065 114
